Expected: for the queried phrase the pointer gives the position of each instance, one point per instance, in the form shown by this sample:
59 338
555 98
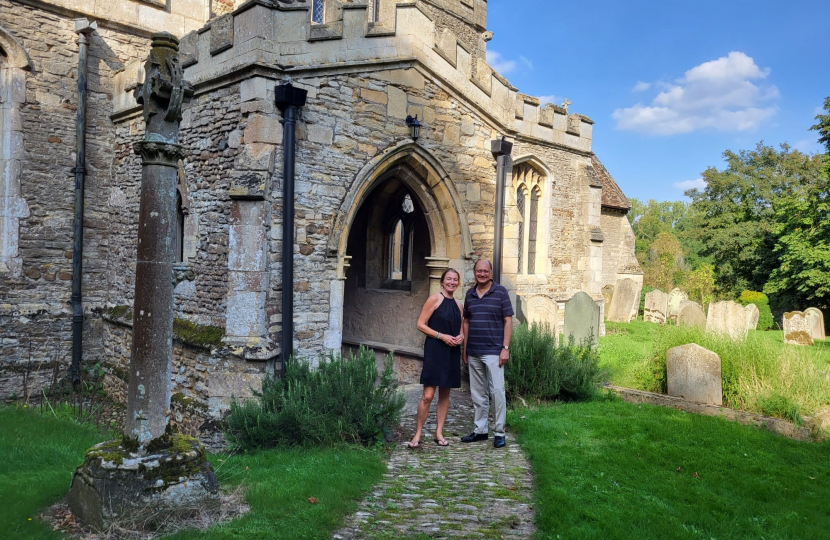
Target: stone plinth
692 315
694 373
582 320
656 307
117 487
816 322
797 328
728 319
626 293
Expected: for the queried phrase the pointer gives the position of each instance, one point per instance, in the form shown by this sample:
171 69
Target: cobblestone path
461 491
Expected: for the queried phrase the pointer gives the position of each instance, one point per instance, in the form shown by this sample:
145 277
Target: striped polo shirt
486 316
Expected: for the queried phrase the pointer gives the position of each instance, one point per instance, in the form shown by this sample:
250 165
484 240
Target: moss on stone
111 451
119 312
197 334
188 404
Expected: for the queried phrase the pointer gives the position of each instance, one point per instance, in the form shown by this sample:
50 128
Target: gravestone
675 297
635 309
752 315
538 309
816 322
582 320
622 303
691 314
727 318
684 303
607 294
656 307
797 328
694 373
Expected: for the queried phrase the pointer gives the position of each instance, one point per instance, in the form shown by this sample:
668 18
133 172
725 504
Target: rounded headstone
694 373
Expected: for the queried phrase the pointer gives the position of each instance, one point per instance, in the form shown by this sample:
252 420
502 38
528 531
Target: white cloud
549 99
499 63
700 183
641 86
727 94
526 61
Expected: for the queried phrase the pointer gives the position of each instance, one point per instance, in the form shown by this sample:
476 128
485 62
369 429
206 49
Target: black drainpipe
83 28
289 100
501 150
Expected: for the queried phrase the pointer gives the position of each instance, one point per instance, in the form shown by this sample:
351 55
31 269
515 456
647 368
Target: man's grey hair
483 260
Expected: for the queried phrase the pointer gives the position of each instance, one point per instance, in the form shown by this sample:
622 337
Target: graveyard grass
608 469
40 452
760 374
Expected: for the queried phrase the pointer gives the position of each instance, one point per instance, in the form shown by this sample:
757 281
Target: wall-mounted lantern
414 127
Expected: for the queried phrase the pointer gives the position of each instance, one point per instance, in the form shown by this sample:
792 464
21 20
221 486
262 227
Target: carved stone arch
428 182
15 54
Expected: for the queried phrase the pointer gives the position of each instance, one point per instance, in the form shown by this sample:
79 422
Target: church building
380 211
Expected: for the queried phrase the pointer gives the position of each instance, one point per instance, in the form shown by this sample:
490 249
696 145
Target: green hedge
765 320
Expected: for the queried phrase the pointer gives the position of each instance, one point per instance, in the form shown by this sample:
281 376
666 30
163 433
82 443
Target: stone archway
364 226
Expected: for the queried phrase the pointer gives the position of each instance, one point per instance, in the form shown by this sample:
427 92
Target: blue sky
671 85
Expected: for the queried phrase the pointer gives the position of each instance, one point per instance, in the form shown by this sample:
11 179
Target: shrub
341 400
765 320
758 375
539 369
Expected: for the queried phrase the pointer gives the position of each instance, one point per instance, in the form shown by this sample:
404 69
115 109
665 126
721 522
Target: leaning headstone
656 307
692 315
797 328
752 315
538 309
582 319
816 322
675 297
607 295
694 373
635 309
727 318
625 294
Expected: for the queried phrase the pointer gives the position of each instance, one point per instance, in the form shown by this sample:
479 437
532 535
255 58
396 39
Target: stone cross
162 95
566 104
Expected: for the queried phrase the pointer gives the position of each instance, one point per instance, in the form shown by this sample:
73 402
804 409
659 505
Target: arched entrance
400 227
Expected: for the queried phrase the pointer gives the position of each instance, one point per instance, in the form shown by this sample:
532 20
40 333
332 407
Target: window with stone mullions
318 9
534 225
520 206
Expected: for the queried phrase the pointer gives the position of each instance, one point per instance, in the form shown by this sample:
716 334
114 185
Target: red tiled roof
612 195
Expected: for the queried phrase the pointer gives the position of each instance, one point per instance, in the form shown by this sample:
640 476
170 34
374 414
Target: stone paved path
461 491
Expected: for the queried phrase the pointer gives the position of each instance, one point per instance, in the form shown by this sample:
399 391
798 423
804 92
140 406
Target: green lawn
39 453
609 469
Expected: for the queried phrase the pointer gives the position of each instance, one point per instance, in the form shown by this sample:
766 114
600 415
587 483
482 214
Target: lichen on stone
197 334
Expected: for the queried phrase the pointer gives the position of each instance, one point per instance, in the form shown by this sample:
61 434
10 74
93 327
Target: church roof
612 195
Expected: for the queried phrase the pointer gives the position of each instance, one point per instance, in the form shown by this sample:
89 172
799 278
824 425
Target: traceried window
318 10
400 239
529 184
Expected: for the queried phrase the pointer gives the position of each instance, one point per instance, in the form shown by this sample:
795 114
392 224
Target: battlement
281 39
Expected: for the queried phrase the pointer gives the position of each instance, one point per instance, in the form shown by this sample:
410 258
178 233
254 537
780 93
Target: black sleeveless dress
442 363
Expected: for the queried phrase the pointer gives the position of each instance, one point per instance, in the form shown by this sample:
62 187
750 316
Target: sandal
442 442
413 444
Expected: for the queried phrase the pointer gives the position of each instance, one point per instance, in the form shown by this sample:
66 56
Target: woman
440 320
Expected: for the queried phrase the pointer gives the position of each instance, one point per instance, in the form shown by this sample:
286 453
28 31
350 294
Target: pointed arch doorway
401 226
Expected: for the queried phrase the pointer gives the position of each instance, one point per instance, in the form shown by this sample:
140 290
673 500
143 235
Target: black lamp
414 127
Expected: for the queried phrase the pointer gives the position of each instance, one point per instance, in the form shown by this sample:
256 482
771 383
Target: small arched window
533 227
400 239
521 195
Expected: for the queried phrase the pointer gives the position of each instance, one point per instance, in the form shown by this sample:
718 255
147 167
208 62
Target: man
487 327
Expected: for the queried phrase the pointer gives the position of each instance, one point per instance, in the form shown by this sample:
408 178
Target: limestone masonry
379 215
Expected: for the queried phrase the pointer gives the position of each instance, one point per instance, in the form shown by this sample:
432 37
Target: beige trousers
486 383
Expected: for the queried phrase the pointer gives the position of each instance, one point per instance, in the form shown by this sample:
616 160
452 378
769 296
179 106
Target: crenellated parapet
276 38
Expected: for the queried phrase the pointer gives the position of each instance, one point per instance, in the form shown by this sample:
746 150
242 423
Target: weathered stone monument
752 315
694 373
538 309
635 308
727 318
656 307
151 474
622 303
607 295
816 322
675 297
691 314
797 328
582 319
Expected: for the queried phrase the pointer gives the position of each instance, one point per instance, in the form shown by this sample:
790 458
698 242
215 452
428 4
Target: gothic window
520 205
178 243
400 239
529 184
318 8
534 227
